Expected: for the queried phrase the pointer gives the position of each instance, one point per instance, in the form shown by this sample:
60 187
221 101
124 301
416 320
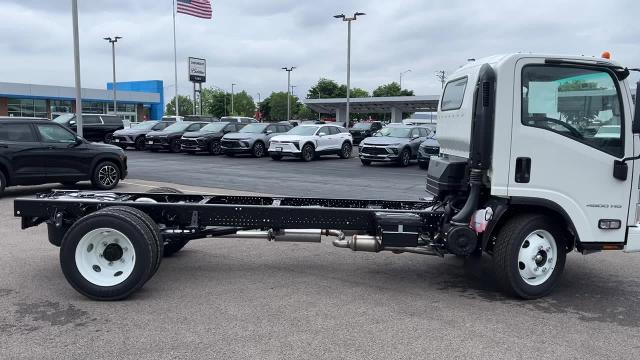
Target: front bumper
193 145
123 140
235 146
284 149
379 153
157 143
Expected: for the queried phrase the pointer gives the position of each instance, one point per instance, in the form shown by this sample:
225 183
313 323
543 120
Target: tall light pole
232 86
319 114
348 20
288 70
113 41
76 63
401 74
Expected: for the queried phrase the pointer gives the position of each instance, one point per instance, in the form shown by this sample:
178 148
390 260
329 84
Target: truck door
569 127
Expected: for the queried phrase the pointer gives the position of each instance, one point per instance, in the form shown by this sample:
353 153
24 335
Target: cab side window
52 133
16 133
580 103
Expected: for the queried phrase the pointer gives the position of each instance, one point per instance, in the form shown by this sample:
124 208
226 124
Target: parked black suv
39 151
135 135
363 130
95 127
169 138
209 137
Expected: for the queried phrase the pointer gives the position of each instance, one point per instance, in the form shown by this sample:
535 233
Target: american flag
197 8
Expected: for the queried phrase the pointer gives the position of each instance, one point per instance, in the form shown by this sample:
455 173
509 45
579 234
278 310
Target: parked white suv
309 141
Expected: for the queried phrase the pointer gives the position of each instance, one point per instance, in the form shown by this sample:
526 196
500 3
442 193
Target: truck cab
522 149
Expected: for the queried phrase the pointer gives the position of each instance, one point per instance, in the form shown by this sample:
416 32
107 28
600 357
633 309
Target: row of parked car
237 135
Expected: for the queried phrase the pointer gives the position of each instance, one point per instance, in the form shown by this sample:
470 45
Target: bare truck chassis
97 231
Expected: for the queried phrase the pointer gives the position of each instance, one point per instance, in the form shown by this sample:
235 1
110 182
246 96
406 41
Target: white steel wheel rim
97 257
108 175
537 257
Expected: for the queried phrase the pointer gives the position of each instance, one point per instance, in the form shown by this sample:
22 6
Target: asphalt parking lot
239 299
328 177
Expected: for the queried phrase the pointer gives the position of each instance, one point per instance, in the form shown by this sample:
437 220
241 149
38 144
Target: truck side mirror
635 127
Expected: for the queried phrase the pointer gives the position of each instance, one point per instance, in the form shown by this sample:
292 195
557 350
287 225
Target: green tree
326 89
358 93
243 104
305 113
186 106
216 102
274 107
392 89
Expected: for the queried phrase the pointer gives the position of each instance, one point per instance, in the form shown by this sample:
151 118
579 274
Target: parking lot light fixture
288 70
401 74
348 20
113 41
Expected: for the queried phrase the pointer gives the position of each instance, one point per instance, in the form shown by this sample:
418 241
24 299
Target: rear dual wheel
111 253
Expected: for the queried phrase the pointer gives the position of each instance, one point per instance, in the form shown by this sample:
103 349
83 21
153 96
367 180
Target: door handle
523 170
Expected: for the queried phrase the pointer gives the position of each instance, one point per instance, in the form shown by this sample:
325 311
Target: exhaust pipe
295 235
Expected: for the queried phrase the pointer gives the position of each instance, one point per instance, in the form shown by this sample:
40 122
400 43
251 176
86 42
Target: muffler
359 243
295 235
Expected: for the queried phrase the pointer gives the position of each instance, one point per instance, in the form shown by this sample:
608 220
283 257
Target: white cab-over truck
537 159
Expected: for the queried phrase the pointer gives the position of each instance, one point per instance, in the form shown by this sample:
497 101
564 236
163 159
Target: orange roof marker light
606 55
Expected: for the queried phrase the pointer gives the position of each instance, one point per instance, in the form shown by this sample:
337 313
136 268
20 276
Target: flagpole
175 59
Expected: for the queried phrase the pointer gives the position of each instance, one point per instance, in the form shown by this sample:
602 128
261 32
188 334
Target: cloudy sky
249 41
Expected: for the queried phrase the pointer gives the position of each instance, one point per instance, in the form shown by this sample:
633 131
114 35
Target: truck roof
501 58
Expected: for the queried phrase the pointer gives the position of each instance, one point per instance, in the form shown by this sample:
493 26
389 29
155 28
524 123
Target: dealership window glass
53 133
112 120
580 103
27 107
454 94
16 132
91 120
61 106
93 107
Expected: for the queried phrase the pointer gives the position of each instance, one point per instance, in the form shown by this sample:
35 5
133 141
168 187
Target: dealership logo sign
197 70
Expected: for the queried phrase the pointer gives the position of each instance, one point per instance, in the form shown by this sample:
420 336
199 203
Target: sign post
197 75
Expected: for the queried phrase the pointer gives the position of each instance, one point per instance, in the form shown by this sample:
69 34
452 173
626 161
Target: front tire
141 143
345 150
106 176
174 146
108 255
529 256
215 148
258 149
405 158
308 153
3 182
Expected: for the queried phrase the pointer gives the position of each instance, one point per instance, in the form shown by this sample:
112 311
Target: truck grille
189 142
374 151
430 150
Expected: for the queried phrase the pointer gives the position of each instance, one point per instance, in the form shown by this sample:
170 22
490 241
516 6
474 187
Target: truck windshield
253 128
399 132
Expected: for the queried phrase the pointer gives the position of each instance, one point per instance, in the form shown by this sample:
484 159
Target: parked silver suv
393 144
252 139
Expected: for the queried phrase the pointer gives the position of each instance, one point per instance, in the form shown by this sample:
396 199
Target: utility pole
288 70
76 63
348 20
113 42
232 86
319 114
442 76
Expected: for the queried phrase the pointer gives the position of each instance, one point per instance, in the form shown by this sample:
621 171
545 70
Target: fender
502 207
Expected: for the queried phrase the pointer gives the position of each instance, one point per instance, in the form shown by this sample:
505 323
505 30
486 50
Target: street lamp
348 20
232 85
113 41
288 70
402 73
76 65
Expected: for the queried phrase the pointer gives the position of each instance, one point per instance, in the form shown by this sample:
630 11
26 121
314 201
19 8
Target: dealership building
136 100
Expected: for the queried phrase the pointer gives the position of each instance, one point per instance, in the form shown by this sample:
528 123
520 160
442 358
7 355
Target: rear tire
308 153
3 182
529 256
108 255
141 143
345 150
106 176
